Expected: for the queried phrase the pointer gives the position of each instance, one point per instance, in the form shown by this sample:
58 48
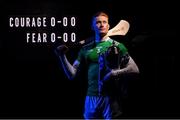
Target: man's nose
101 25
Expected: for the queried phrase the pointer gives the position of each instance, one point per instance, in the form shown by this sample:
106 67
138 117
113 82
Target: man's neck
102 38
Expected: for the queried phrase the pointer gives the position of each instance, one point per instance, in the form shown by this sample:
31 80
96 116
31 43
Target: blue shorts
97 107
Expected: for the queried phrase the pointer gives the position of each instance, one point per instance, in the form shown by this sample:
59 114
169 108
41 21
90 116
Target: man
95 55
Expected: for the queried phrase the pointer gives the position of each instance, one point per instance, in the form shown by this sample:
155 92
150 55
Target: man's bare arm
70 70
131 67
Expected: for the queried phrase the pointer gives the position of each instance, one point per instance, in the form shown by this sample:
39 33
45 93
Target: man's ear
108 26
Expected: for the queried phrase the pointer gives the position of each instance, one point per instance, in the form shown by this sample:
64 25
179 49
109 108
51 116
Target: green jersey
95 59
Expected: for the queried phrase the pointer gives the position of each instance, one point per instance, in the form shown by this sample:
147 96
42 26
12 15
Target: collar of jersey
104 40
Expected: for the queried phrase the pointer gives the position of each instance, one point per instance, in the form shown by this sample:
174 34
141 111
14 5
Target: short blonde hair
100 13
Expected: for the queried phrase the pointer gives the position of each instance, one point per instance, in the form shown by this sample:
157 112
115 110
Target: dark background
33 85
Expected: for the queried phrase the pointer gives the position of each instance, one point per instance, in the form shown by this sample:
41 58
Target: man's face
101 25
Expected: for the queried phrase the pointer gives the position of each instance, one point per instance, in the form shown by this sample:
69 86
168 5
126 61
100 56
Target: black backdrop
33 84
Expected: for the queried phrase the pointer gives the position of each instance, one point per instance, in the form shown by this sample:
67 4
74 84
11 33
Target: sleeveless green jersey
94 56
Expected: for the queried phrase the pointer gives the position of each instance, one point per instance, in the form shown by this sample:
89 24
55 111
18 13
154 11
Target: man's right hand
61 50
